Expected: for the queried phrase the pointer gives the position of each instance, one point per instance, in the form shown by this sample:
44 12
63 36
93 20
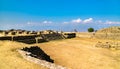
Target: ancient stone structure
36 52
12 33
4 33
108 45
103 45
45 63
69 35
109 33
30 37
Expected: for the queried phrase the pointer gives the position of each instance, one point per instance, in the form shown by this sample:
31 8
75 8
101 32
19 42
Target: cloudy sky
65 15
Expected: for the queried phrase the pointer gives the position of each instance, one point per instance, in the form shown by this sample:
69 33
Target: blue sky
65 15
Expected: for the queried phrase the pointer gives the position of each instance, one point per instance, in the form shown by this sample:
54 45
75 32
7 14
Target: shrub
90 29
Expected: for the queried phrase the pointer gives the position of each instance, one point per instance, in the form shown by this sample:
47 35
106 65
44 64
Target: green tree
90 29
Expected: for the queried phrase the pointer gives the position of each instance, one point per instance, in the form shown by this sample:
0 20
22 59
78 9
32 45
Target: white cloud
99 21
39 23
77 20
47 22
111 22
65 22
29 23
89 20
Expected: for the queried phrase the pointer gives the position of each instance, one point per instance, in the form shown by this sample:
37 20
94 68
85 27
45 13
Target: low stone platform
31 54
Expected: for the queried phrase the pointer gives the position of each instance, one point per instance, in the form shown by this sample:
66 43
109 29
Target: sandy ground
81 53
76 53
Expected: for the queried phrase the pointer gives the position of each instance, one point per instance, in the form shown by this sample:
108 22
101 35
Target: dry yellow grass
11 59
80 53
76 53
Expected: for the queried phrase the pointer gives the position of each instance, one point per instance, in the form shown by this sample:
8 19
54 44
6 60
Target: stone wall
69 35
29 39
54 36
26 55
85 34
34 38
6 38
114 36
109 33
35 51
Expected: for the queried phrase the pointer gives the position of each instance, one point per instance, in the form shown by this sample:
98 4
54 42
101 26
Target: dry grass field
11 59
80 53
76 53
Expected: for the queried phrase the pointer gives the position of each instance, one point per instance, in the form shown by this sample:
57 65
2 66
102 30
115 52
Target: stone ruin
108 45
69 35
108 33
38 56
103 45
31 37
36 52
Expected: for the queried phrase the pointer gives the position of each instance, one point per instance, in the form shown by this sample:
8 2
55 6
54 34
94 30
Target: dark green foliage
90 29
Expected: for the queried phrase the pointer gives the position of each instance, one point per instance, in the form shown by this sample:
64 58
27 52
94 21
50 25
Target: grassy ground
80 53
11 59
76 53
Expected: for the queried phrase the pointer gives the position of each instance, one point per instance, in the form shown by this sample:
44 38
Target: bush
90 29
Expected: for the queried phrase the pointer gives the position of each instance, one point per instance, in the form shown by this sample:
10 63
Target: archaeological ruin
36 52
31 37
